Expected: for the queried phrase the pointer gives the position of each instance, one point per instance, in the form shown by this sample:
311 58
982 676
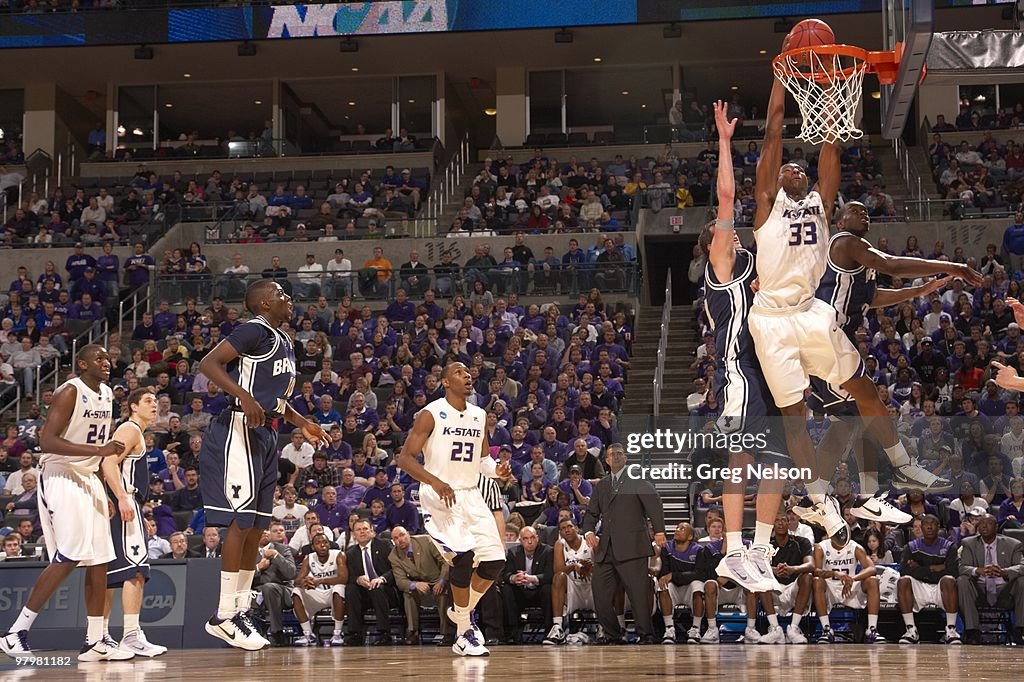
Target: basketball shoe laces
242 622
22 636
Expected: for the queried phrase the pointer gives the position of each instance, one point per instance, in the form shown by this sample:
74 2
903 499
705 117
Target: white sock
622 621
131 623
557 620
824 621
338 626
307 628
668 621
773 620
461 618
908 618
106 625
872 621
763 534
94 629
898 454
244 599
951 620
795 622
474 597
24 620
712 623
868 483
733 541
817 488
228 595
751 623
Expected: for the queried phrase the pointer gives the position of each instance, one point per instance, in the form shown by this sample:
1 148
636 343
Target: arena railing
666 320
12 403
622 278
908 169
139 301
448 181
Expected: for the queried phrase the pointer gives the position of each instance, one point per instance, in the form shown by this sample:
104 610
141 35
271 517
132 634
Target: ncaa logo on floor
159 599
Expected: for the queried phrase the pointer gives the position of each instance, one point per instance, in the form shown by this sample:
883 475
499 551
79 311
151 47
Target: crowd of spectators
976 179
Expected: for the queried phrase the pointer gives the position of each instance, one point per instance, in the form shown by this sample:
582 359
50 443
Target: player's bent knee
490 570
461 572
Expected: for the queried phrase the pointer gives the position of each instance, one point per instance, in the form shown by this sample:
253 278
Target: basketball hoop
827 83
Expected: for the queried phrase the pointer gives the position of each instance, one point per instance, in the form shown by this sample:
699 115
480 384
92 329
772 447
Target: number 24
97 434
803 233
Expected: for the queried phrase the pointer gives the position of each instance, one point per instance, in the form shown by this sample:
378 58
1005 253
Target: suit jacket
379 551
202 551
408 270
282 569
1009 555
425 564
623 516
543 562
189 554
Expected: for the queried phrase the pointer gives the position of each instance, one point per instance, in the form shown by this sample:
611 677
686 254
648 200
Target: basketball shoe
137 643
877 508
913 477
825 514
15 644
737 567
104 649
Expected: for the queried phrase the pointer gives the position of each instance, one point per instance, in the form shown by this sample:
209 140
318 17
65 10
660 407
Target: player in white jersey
320 585
451 435
571 588
837 581
73 503
127 477
796 335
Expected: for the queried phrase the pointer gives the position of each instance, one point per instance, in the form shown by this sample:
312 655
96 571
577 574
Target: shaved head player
451 435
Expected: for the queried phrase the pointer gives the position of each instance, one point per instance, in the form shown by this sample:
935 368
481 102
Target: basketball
810 32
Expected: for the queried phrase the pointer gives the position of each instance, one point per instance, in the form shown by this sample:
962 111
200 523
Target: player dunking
848 285
73 509
739 384
795 333
255 365
451 435
128 480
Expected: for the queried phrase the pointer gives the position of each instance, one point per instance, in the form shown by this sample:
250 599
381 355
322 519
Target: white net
827 88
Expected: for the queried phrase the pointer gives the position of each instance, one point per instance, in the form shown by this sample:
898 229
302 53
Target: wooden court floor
928 662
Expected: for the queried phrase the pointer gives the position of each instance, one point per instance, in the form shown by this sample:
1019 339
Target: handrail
449 179
140 297
666 319
911 176
14 403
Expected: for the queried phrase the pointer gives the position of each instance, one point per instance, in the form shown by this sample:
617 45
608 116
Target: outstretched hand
315 434
1005 376
1018 310
725 127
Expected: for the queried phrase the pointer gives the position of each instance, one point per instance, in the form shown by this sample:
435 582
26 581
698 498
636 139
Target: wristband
724 224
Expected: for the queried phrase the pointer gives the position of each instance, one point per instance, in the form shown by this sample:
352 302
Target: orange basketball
810 32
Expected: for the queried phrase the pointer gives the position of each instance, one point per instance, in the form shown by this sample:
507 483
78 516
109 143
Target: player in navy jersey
849 286
255 366
739 383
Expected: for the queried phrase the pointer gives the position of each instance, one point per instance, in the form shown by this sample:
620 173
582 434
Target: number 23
462 452
803 233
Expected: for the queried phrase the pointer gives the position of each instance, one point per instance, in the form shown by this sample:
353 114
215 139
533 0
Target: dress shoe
446 640
972 637
492 641
413 638
1018 636
384 639
610 641
354 640
646 640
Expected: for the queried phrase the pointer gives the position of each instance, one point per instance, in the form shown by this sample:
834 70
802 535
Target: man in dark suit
991 566
211 543
529 571
371 583
179 547
415 275
421 576
275 571
624 506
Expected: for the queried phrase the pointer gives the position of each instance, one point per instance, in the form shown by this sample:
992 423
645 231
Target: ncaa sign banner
334 19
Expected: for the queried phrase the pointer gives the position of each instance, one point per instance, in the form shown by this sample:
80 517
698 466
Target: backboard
907 27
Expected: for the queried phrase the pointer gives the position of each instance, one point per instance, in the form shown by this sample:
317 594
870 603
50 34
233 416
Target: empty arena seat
536 140
557 139
578 139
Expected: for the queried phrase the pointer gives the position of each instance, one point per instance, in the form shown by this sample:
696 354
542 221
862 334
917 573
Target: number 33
803 233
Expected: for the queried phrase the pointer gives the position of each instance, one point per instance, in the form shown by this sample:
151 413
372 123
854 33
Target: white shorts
466 526
579 594
73 514
925 594
785 601
682 595
794 344
733 595
858 599
315 601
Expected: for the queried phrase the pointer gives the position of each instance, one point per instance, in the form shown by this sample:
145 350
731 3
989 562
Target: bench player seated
571 587
793 566
680 583
837 581
930 567
320 585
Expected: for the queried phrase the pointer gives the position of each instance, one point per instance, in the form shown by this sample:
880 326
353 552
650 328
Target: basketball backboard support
907 27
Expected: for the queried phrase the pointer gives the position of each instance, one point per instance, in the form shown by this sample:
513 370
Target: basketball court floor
928 662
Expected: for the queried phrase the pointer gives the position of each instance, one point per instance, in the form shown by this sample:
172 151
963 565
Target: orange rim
883 63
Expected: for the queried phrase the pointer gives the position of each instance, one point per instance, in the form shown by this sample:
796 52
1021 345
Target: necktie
615 483
209 554
991 583
370 573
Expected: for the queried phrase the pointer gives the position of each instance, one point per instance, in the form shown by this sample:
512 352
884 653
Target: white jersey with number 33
792 246
454 449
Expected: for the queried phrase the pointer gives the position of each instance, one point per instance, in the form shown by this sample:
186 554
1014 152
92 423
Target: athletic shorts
794 344
925 594
733 595
748 408
238 472
315 601
466 526
579 594
682 595
73 514
858 598
130 549
785 601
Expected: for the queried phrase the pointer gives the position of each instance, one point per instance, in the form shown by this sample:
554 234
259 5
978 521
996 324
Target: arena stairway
682 345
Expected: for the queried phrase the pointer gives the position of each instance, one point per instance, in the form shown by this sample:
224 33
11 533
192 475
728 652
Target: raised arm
829 176
722 250
888 297
851 250
771 154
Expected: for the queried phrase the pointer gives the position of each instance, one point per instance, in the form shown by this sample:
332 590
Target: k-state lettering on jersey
454 449
850 292
266 364
90 424
840 560
328 569
727 305
792 247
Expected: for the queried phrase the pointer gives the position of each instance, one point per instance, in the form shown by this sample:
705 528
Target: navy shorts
131 555
748 408
238 472
831 400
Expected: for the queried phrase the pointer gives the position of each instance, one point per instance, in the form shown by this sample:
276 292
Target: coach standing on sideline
624 506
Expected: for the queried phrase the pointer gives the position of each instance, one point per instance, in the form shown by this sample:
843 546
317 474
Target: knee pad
490 570
461 572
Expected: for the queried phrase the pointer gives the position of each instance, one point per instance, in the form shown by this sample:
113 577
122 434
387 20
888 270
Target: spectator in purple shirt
147 329
350 493
366 417
85 310
402 513
109 265
214 401
138 266
380 490
332 514
401 309
89 285
77 262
